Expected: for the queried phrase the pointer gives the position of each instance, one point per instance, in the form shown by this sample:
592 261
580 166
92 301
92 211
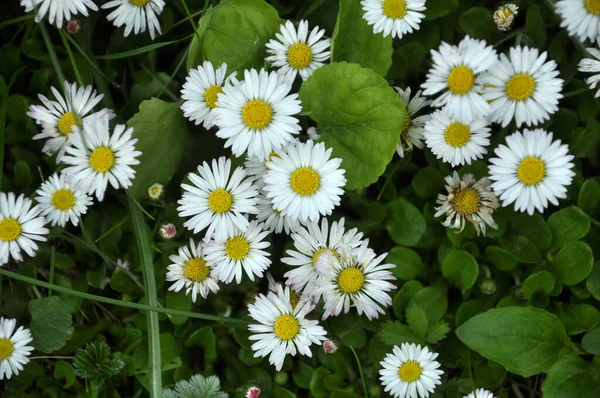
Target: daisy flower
456 141
304 183
468 200
282 329
457 72
136 15
273 219
58 118
581 18
410 371
20 225
190 270
255 116
156 191
60 201
525 87
14 348
59 10
298 52
505 15
256 168
243 250
200 91
96 157
480 393
531 171
295 297
412 128
395 17
217 200
592 66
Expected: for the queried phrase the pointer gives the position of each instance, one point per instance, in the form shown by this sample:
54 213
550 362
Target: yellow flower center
211 94
220 201
299 55
139 3
67 121
410 371
237 248
6 348
406 124
395 9
63 199
506 12
286 327
196 270
520 87
457 134
351 280
305 181
257 114
593 6
323 250
531 170
10 229
102 159
466 200
461 80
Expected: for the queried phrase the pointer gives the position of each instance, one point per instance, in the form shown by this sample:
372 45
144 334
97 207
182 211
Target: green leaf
408 263
51 323
580 318
205 338
406 224
437 332
490 374
179 301
593 281
526 340
589 196
524 249
22 175
353 40
535 26
433 299
416 319
461 269
574 263
533 227
591 341
587 142
428 182
540 282
349 330
572 377
358 115
64 370
235 32
477 22
501 259
404 295
395 333
161 132
568 225
439 8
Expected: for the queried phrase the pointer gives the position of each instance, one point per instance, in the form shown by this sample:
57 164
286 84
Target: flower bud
251 391
73 26
168 231
331 346
156 191
505 16
487 286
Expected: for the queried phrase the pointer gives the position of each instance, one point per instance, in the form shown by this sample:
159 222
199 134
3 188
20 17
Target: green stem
71 57
593 220
510 36
360 370
576 92
470 371
387 181
16 20
168 90
51 357
52 53
91 62
3 108
189 15
179 65
52 261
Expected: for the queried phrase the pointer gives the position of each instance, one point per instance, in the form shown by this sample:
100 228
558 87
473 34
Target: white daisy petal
14 348
136 15
581 18
395 17
61 202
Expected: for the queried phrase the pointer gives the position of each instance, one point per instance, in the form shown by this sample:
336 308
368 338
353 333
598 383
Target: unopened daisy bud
505 16
488 286
251 391
168 231
331 346
156 191
281 378
519 295
73 26
313 134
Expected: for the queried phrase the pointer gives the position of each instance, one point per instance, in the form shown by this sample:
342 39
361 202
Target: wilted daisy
457 72
412 128
282 329
14 348
505 15
156 191
97 157
200 91
217 200
255 116
395 17
592 66
273 219
410 371
531 171
136 15
58 10
241 251
455 140
524 87
190 270
298 52
581 18
304 183
480 393
60 201
20 225
468 200
58 118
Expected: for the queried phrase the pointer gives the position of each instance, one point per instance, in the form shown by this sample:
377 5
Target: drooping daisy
531 171
60 201
97 157
455 140
282 329
395 17
256 116
190 270
296 53
457 73
410 371
217 200
412 128
156 191
14 348
136 15
505 15
200 91
241 251
20 225
58 118
592 66
524 87
304 183
581 18
59 10
480 393
468 200
273 219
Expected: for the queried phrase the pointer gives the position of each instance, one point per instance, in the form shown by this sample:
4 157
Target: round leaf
461 269
591 341
428 182
408 263
406 224
477 22
500 258
574 263
568 225
540 282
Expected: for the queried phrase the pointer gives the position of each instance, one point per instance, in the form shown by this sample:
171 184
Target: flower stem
576 92
360 371
52 261
52 53
71 57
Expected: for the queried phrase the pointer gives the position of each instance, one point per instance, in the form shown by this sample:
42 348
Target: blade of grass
52 261
114 227
3 106
52 53
71 57
16 20
360 370
91 62
179 65
141 50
